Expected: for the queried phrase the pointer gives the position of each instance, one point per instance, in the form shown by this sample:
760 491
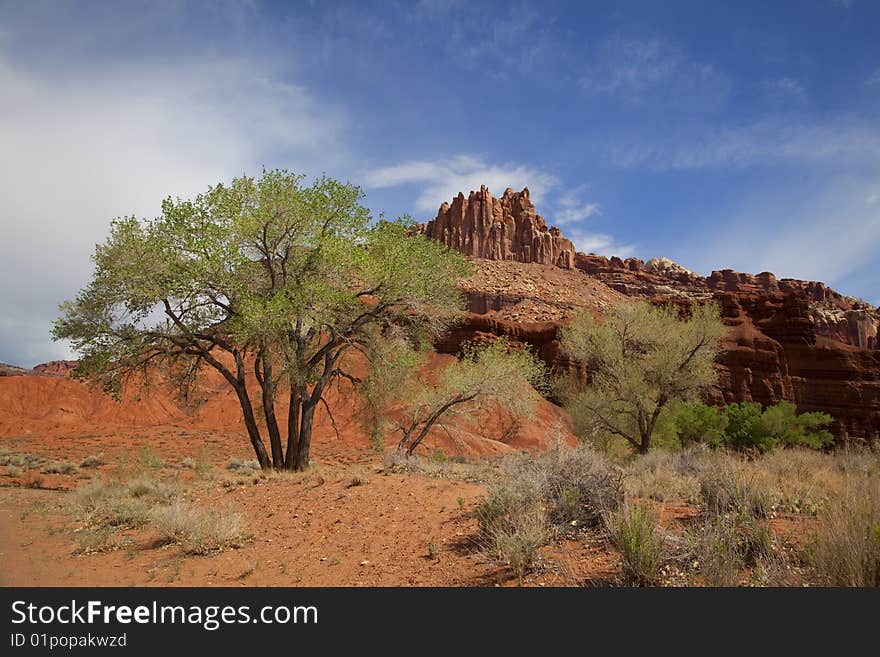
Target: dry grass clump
104 503
635 531
662 475
723 547
60 467
729 484
847 545
198 530
93 461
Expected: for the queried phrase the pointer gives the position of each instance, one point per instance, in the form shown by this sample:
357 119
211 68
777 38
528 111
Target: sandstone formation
789 339
506 228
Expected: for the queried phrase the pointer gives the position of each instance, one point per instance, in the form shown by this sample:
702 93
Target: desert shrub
729 485
103 504
92 461
575 486
696 422
635 532
119 503
751 428
13 470
723 545
198 530
60 467
20 460
847 545
513 524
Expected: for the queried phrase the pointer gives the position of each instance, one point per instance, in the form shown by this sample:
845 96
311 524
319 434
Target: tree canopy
640 357
265 274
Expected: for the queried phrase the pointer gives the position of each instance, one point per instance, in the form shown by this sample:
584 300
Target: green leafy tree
641 358
263 274
495 372
696 422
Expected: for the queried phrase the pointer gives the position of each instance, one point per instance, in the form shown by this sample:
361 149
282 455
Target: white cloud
84 147
442 180
572 208
599 243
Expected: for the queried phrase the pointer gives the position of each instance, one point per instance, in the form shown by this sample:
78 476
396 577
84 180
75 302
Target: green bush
746 426
696 422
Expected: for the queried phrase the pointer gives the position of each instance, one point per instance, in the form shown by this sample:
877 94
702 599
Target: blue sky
718 134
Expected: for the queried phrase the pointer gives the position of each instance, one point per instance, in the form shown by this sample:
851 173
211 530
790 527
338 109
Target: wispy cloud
637 70
573 209
599 243
441 180
84 147
782 139
822 233
786 87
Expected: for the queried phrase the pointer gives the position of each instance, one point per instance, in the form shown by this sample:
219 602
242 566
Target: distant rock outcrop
506 228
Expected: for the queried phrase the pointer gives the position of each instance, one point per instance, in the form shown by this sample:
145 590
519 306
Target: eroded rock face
506 228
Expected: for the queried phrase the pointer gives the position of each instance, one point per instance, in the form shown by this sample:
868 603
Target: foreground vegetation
693 517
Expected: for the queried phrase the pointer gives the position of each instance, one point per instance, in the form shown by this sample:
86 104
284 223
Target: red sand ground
316 529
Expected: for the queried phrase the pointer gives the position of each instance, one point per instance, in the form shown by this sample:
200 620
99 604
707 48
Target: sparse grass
93 461
13 470
119 503
847 545
433 550
32 480
197 530
98 541
149 458
723 546
636 533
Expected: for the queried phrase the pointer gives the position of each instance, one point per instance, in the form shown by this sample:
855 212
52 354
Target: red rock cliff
506 228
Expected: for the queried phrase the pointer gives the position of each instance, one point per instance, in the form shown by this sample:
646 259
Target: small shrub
197 530
93 461
751 428
189 463
847 546
149 458
242 465
13 470
96 541
636 534
60 467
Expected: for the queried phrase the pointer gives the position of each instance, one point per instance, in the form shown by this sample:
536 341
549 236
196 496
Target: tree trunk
250 422
293 419
268 387
305 435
